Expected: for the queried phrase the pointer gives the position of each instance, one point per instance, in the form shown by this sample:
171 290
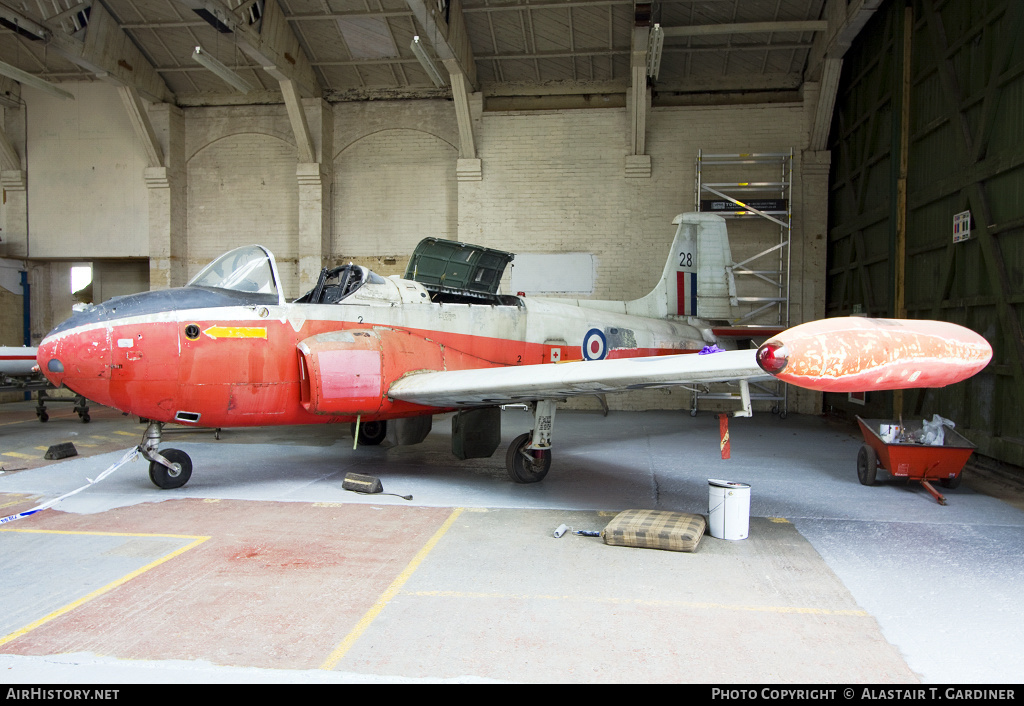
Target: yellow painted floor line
36 421
110 586
90 533
640 601
20 421
17 455
345 645
20 500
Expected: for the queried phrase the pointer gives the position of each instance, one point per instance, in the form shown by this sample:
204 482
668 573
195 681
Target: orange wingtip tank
856 354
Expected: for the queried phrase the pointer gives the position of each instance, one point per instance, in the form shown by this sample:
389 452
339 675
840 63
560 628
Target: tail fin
697 277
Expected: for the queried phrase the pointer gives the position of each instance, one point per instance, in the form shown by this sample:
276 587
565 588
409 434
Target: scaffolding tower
756 187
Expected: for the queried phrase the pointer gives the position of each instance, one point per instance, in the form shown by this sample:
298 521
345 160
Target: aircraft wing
844 354
525 383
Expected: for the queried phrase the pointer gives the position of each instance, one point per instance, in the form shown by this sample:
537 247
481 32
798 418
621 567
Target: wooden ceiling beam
104 50
271 42
746 28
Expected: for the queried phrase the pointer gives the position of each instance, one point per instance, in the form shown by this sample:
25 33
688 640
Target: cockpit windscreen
247 269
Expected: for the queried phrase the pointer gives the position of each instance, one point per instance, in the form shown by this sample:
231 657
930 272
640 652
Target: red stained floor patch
277 585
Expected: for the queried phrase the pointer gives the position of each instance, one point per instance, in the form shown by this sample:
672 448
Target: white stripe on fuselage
536 322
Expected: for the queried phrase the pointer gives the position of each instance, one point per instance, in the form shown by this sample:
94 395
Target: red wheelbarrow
909 459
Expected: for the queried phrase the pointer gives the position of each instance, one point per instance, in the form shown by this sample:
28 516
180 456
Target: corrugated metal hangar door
926 207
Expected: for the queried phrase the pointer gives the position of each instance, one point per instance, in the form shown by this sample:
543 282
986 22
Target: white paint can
728 509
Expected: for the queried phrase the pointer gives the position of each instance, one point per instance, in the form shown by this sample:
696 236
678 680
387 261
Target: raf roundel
595 345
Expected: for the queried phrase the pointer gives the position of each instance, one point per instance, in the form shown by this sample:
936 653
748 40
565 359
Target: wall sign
961 226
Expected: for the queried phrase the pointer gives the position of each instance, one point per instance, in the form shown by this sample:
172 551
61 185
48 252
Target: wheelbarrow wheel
867 465
951 483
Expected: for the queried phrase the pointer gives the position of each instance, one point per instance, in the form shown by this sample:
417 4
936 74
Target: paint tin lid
726 483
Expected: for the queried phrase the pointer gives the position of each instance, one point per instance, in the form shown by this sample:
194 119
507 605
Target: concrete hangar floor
263 569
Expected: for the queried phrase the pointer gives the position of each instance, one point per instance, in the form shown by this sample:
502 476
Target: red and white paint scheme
384 354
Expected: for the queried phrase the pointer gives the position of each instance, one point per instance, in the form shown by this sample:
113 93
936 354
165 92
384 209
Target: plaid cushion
655 529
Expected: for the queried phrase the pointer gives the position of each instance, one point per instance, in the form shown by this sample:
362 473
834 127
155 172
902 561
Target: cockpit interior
337 283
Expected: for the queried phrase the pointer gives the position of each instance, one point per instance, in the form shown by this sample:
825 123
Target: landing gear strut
168 469
529 455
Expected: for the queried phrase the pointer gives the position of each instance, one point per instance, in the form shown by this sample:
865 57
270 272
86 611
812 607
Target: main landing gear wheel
371 433
166 478
523 465
867 465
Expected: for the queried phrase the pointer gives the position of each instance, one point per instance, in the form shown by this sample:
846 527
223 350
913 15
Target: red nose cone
772 357
50 364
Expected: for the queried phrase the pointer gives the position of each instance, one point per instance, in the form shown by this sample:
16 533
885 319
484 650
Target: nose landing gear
170 468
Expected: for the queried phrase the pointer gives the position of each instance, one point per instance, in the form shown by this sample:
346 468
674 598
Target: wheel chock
362 484
63 450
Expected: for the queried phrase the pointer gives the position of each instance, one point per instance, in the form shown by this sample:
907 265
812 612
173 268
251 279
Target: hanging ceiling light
428 64
655 44
222 71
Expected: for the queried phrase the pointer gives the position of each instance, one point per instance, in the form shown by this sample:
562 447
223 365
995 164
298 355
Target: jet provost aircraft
385 354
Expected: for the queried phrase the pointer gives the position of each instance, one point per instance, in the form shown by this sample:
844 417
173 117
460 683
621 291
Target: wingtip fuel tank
855 354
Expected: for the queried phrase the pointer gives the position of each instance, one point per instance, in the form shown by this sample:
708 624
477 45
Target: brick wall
554 182
86 197
11 318
393 188
242 187
11 330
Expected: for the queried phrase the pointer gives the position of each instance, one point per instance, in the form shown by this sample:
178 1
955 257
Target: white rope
128 456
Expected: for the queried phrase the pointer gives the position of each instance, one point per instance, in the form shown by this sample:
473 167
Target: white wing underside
526 383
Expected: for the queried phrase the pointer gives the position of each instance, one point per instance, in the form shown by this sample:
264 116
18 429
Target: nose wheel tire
526 466
166 478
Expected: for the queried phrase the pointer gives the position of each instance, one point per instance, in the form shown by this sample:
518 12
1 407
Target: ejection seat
334 284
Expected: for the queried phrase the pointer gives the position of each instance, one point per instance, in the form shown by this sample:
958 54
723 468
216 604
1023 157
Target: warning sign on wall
961 226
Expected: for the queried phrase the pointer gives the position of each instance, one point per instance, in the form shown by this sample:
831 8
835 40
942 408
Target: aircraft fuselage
219 358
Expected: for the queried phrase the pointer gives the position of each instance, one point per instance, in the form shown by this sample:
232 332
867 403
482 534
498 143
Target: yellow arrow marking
216 332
